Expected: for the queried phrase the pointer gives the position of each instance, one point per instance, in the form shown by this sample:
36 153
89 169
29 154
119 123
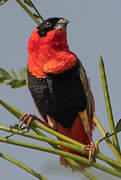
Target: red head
48 48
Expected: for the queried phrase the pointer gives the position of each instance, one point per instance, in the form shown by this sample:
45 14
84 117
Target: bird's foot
91 147
29 118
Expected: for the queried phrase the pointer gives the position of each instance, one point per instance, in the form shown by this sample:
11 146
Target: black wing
86 86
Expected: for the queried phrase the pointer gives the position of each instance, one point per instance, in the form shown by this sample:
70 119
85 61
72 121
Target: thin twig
23 166
39 15
28 11
56 143
108 141
62 153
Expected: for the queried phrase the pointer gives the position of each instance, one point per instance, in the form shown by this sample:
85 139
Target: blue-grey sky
94 29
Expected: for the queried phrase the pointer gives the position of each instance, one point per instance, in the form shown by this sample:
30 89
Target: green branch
45 139
38 14
72 144
108 105
62 153
23 166
79 145
61 143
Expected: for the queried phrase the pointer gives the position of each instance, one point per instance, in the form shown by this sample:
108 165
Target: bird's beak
61 24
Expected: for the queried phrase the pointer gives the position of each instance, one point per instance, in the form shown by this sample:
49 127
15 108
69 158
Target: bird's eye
47 24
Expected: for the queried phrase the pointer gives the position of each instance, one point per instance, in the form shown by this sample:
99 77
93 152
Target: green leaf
4 75
3 2
29 3
6 78
14 74
22 73
18 83
118 126
8 81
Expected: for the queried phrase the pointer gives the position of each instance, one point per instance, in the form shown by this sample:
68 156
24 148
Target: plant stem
23 166
62 153
108 104
79 144
45 139
17 113
55 143
99 125
28 11
75 165
37 11
113 163
108 141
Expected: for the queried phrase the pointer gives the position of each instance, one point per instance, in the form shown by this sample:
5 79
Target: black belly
60 96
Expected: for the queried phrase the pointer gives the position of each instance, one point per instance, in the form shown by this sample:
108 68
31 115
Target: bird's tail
78 133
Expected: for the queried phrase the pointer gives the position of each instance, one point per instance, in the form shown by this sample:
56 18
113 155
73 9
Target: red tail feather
77 133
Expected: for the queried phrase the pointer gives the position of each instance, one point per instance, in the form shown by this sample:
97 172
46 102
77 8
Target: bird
59 85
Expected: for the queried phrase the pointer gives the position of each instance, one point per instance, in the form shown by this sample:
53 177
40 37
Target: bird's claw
91 147
30 118
24 118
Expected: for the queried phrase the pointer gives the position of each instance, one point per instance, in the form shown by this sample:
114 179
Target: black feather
60 96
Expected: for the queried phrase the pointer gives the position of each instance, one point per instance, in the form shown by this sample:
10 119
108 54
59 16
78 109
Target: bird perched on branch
59 85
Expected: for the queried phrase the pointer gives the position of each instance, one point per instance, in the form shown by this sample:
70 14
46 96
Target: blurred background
94 29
